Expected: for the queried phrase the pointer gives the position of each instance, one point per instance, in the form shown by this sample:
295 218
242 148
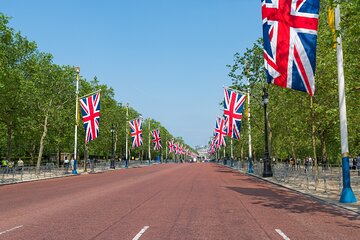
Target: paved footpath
168 201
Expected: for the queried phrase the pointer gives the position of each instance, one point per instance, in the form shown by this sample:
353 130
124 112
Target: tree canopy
290 113
38 99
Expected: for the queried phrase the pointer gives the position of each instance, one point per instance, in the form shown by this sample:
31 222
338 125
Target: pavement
328 197
168 201
28 174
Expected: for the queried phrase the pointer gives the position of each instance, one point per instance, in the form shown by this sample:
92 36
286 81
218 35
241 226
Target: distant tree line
37 114
293 120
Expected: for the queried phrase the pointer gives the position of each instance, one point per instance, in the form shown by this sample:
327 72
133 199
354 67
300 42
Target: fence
325 181
29 173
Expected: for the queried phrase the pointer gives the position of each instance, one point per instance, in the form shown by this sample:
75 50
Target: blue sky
167 58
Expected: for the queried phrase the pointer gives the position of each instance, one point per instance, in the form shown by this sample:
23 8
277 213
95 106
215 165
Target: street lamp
267 172
127 133
112 163
77 69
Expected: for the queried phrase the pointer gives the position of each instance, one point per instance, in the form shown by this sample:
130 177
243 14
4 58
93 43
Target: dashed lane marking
282 234
140 233
11 229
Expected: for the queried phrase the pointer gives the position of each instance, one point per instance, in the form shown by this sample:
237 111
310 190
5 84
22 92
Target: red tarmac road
174 201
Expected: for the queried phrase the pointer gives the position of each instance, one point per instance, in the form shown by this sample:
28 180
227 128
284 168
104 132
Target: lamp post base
267 174
74 168
112 164
251 166
347 196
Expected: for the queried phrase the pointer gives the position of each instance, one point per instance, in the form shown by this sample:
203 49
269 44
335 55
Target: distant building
203 152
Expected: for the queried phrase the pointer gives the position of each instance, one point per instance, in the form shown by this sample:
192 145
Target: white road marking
9 230
140 233
282 234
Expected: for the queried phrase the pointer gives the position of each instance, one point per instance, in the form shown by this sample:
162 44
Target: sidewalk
327 196
28 173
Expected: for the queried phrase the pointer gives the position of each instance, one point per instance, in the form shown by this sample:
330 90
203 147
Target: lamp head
265 97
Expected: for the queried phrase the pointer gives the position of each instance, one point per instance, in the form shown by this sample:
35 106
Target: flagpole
149 143
249 127
76 118
347 194
231 153
127 133
166 149
225 161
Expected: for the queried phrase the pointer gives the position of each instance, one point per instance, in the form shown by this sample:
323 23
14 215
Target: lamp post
249 127
76 118
126 135
267 172
112 163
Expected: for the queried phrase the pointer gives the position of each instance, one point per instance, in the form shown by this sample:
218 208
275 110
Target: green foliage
38 99
289 112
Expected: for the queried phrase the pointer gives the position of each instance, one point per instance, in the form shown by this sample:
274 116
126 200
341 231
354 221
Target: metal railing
325 181
30 173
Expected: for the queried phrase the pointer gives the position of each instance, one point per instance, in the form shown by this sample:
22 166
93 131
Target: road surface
167 201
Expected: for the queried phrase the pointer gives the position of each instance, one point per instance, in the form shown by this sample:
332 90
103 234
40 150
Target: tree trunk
313 134
293 150
32 154
242 151
323 145
9 142
58 157
86 156
41 148
276 154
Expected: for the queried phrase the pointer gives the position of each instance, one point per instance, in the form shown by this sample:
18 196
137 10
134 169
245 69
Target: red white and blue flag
136 132
171 146
220 131
177 148
212 147
181 152
90 110
290 36
233 108
156 139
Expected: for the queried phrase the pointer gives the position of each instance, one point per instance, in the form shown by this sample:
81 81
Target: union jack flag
233 107
212 147
220 131
156 139
177 148
90 110
136 132
181 149
171 146
290 35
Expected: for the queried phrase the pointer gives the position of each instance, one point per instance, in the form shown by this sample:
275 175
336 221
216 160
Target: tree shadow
293 202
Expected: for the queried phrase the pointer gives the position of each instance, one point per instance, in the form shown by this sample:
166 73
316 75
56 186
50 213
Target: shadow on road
295 203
